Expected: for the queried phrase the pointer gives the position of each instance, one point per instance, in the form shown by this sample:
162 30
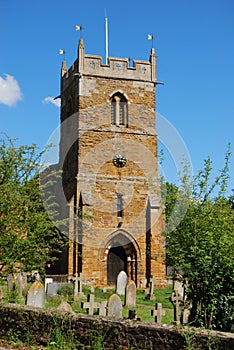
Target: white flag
78 28
61 51
150 37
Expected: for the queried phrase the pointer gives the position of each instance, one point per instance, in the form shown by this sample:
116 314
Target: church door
117 261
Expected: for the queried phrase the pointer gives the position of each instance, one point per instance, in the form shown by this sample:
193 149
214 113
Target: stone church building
108 153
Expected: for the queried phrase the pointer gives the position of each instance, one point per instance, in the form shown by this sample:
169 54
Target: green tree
202 245
28 237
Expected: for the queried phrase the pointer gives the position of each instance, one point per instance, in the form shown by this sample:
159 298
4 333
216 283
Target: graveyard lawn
143 306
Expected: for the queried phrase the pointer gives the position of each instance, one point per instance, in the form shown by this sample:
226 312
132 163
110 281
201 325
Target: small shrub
66 291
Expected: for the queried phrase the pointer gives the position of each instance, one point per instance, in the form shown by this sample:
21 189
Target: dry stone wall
38 326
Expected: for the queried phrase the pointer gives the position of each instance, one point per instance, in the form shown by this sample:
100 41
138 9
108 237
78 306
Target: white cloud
50 99
10 92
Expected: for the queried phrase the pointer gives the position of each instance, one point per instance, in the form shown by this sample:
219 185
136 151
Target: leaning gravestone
53 288
130 296
122 281
36 295
115 307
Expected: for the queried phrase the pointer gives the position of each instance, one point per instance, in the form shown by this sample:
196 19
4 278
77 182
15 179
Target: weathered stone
158 313
36 295
130 296
9 283
90 305
177 300
122 281
53 288
66 307
115 307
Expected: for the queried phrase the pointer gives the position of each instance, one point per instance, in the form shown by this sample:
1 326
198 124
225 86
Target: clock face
119 161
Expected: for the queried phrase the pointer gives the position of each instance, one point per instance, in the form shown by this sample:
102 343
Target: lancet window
119 109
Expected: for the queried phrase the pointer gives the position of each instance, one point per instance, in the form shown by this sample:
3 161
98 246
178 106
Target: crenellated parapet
117 68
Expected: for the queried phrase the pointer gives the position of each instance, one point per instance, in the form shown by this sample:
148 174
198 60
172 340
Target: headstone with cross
176 300
158 313
77 280
90 305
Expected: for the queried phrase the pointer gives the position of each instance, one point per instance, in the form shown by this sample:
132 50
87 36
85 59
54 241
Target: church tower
108 152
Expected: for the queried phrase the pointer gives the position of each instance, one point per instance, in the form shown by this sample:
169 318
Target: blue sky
193 41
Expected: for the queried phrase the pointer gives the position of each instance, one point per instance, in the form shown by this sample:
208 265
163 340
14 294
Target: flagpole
106 29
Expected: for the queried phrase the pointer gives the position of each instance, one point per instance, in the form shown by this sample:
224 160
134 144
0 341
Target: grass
143 306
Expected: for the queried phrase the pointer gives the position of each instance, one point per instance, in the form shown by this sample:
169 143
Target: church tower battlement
117 68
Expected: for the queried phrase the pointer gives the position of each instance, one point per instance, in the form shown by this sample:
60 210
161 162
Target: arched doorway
117 261
121 253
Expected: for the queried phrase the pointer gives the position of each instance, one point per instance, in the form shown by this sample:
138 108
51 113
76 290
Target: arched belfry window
119 109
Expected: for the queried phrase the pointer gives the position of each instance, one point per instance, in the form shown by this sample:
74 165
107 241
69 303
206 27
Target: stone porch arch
120 251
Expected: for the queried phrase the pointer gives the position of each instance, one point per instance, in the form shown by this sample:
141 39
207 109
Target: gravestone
158 313
185 316
77 280
176 300
186 311
47 281
130 296
102 308
150 295
122 281
178 285
20 284
53 288
115 307
66 307
143 283
36 295
24 281
9 283
90 305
